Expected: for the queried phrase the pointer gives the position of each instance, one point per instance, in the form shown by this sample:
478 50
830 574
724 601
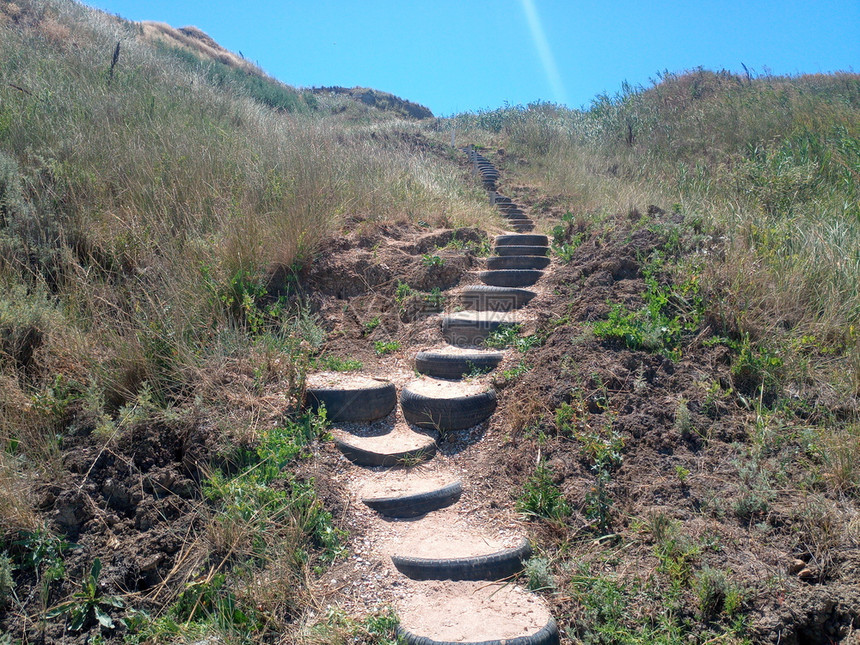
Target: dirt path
436 549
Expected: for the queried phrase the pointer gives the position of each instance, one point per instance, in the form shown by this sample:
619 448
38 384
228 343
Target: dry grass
195 41
16 503
150 230
768 166
841 452
154 204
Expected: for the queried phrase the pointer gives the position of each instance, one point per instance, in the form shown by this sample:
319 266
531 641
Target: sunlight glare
542 46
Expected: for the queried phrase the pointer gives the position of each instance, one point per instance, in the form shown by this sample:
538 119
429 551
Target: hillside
185 242
380 100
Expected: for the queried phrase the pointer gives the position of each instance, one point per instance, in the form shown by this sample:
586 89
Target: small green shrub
371 324
755 493
571 417
716 594
565 252
564 241
516 371
542 498
539 575
683 419
88 603
435 298
432 260
386 347
508 335
755 366
670 312
402 291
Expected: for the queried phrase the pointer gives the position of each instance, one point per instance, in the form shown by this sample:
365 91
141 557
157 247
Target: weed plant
541 498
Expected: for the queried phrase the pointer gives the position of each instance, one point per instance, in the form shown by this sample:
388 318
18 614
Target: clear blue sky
457 55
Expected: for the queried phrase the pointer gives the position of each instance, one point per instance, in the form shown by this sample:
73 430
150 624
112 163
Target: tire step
397 448
516 249
445 405
518 262
350 398
416 504
510 277
481 297
493 566
455 365
522 240
445 613
526 225
471 328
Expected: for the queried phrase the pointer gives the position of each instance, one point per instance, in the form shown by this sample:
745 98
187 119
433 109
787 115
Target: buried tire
522 240
455 366
517 262
364 399
415 505
510 277
548 635
446 413
517 249
493 566
365 457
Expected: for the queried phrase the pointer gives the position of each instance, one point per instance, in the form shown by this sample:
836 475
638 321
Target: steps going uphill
451 573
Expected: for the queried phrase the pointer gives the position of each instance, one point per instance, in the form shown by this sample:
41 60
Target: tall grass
771 163
155 202
153 215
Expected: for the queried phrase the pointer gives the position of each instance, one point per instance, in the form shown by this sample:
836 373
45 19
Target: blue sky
458 55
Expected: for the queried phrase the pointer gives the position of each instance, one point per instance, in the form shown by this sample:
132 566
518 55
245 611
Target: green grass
337 364
171 144
263 519
671 313
266 91
509 335
154 221
384 347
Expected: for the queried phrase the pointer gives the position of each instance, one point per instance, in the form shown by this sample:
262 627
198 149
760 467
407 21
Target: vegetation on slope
769 165
154 211
380 100
694 392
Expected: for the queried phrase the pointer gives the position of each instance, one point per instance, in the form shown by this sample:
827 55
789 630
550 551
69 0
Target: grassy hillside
132 191
154 211
693 393
770 165
173 224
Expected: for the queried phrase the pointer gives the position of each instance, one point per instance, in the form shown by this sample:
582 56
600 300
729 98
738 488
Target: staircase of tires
454 584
